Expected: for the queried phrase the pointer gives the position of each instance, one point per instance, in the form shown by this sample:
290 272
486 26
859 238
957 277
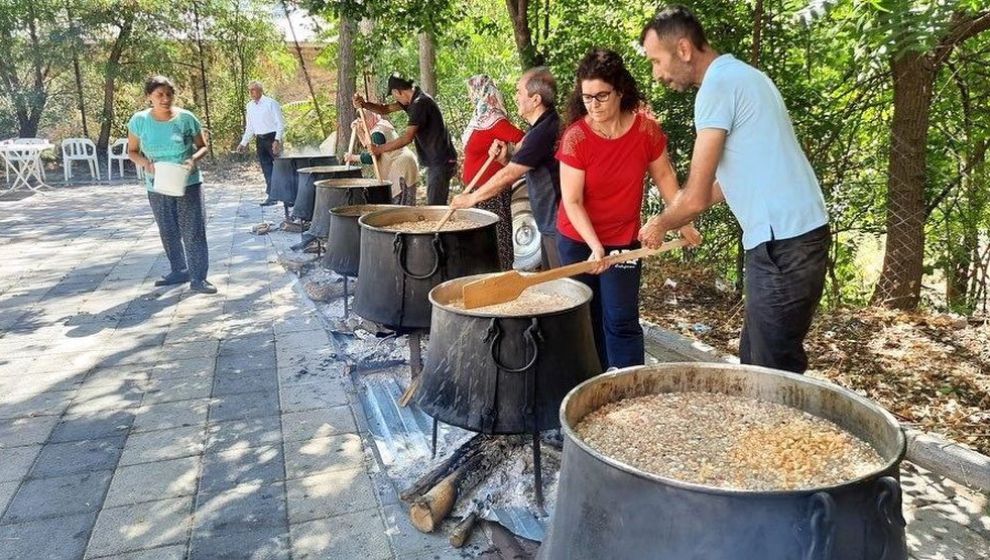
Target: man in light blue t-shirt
746 154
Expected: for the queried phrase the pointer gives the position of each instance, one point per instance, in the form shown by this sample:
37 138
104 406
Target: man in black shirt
426 127
536 97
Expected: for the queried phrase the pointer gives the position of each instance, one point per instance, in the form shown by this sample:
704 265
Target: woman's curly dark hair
607 66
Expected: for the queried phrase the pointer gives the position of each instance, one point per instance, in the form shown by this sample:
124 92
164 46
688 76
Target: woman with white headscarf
489 123
398 167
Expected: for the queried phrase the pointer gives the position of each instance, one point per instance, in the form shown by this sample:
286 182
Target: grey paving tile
329 494
318 423
58 497
410 543
7 490
226 383
16 432
61 538
94 425
241 508
309 457
244 405
163 445
320 394
140 526
178 389
162 416
240 466
172 552
58 459
241 345
184 350
242 434
190 367
354 535
153 481
116 376
41 404
104 398
261 543
246 362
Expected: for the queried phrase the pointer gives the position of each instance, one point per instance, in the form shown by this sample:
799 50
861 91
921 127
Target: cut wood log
430 509
462 532
407 395
448 465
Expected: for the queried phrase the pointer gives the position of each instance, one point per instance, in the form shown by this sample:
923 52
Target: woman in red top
605 153
488 124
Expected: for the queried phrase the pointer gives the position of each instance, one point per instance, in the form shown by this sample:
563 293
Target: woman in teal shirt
166 133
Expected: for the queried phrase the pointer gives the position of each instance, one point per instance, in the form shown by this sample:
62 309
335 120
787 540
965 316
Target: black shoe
203 287
173 278
268 202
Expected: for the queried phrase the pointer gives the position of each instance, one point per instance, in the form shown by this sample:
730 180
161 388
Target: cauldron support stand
347 311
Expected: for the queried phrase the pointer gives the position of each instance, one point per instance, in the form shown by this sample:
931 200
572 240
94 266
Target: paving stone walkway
147 423
154 423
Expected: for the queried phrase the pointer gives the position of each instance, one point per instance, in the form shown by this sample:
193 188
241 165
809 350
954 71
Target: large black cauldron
306 191
333 193
285 177
607 509
344 248
398 270
499 374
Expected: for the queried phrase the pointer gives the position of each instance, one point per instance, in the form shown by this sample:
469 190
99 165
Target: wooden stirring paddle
469 188
508 286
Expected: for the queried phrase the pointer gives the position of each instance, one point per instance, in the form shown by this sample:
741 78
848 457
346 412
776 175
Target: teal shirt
172 141
766 178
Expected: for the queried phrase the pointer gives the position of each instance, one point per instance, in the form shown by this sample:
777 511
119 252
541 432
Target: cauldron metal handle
821 521
889 510
399 248
531 334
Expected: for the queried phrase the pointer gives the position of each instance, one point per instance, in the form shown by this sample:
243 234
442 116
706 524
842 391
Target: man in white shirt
264 122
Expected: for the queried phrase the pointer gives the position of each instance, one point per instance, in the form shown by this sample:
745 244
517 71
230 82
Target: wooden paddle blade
498 288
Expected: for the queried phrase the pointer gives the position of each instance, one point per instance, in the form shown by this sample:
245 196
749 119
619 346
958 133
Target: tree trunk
77 72
346 82
302 64
519 14
900 280
203 79
428 63
109 83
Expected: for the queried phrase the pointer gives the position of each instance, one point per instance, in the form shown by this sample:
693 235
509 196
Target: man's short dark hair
674 22
397 83
539 81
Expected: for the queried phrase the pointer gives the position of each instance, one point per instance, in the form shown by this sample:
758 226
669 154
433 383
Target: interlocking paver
242 434
16 432
141 526
355 535
70 457
61 538
241 508
318 423
239 466
153 481
308 396
329 494
161 416
313 456
58 496
244 405
163 445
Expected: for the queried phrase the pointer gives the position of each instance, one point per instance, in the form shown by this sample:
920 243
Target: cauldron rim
658 369
363 220
353 183
585 297
347 211
327 169
304 156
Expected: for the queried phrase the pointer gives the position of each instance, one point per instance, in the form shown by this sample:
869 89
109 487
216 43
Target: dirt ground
930 370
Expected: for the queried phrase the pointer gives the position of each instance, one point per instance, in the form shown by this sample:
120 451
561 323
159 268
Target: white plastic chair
79 149
120 156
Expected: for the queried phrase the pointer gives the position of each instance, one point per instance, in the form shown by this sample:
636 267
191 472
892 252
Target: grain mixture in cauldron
531 302
727 441
429 226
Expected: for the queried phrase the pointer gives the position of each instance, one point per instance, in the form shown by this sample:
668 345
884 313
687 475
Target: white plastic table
25 160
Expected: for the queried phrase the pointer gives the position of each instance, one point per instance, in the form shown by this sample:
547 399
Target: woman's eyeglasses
600 97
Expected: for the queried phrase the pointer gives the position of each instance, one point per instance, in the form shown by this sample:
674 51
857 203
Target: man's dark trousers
266 157
784 280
